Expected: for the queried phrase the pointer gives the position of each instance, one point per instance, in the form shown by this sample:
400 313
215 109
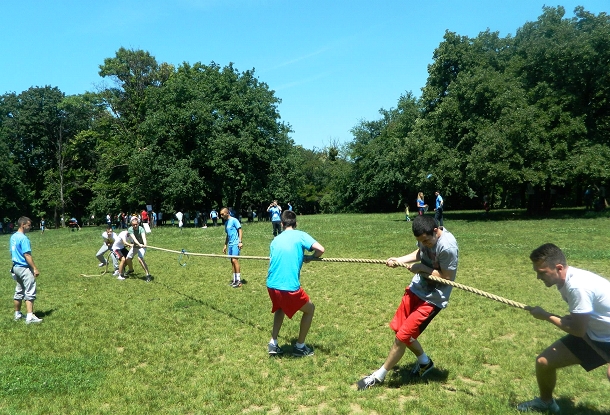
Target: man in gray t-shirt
436 255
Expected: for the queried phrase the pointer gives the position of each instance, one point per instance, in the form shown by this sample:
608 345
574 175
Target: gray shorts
26 283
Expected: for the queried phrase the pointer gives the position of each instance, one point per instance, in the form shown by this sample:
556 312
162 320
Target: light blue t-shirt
231 227
286 252
439 201
276 213
19 245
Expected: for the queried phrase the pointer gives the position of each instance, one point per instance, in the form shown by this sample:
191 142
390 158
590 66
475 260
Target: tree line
523 120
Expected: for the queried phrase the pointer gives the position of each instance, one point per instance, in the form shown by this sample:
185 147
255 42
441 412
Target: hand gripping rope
494 297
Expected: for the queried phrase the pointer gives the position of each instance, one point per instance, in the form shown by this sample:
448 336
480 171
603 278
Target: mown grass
187 343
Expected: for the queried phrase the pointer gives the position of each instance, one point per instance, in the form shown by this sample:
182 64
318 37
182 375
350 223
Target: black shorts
589 359
121 253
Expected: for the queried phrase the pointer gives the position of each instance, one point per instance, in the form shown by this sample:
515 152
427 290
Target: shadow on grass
402 376
41 314
567 407
215 308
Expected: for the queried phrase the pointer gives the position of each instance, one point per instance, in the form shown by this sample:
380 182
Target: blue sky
332 63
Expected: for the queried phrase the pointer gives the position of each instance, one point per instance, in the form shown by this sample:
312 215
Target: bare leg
398 350
235 264
278 319
554 357
308 310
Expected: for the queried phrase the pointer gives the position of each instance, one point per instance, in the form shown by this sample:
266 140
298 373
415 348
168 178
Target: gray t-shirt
442 256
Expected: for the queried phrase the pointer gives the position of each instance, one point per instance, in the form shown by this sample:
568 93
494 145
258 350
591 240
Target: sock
17 313
273 341
423 359
380 373
238 276
234 277
300 345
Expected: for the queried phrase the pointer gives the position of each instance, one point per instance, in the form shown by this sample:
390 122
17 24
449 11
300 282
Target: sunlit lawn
188 343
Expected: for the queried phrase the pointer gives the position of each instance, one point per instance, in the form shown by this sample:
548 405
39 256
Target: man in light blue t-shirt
233 244
275 211
284 285
24 271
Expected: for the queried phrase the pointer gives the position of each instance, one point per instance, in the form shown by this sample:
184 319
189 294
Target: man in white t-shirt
587 342
119 247
109 237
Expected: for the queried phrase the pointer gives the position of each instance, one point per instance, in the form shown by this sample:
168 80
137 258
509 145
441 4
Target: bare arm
30 261
405 259
574 324
240 232
317 249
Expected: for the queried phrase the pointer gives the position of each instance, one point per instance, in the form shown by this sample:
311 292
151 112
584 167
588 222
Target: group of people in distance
123 247
587 326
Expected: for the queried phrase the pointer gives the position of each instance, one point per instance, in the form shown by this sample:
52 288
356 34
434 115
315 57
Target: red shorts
412 317
288 301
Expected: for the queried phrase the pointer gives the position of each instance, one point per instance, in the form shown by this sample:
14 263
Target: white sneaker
116 273
120 277
101 264
18 316
33 320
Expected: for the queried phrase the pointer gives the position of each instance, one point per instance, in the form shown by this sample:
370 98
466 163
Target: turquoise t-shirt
19 244
231 227
275 214
286 252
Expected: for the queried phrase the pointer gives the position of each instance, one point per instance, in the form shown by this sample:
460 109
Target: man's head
135 222
24 223
425 230
109 229
224 213
289 219
550 264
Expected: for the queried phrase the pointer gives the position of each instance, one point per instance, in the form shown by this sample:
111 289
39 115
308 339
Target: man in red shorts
437 255
283 282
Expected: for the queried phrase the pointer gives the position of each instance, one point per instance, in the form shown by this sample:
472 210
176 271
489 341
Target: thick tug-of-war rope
184 253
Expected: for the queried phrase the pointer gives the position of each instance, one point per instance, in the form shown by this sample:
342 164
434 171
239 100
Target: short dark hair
23 221
423 225
289 219
549 254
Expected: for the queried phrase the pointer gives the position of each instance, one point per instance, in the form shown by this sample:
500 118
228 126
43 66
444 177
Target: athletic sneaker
236 284
302 351
101 264
18 316
120 277
368 382
33 320
420 370
148 278
538 405
274 350
116 273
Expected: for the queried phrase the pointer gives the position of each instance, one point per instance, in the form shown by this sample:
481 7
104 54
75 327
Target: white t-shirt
588 293
118 242
109 238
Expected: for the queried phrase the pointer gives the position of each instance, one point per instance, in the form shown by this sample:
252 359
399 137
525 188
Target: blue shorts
233 250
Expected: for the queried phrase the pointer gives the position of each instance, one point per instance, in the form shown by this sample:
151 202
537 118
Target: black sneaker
148 278
236 284
274 350
368 382
302 351
420 370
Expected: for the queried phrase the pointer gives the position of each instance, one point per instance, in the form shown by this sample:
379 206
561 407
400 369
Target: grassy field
188 343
